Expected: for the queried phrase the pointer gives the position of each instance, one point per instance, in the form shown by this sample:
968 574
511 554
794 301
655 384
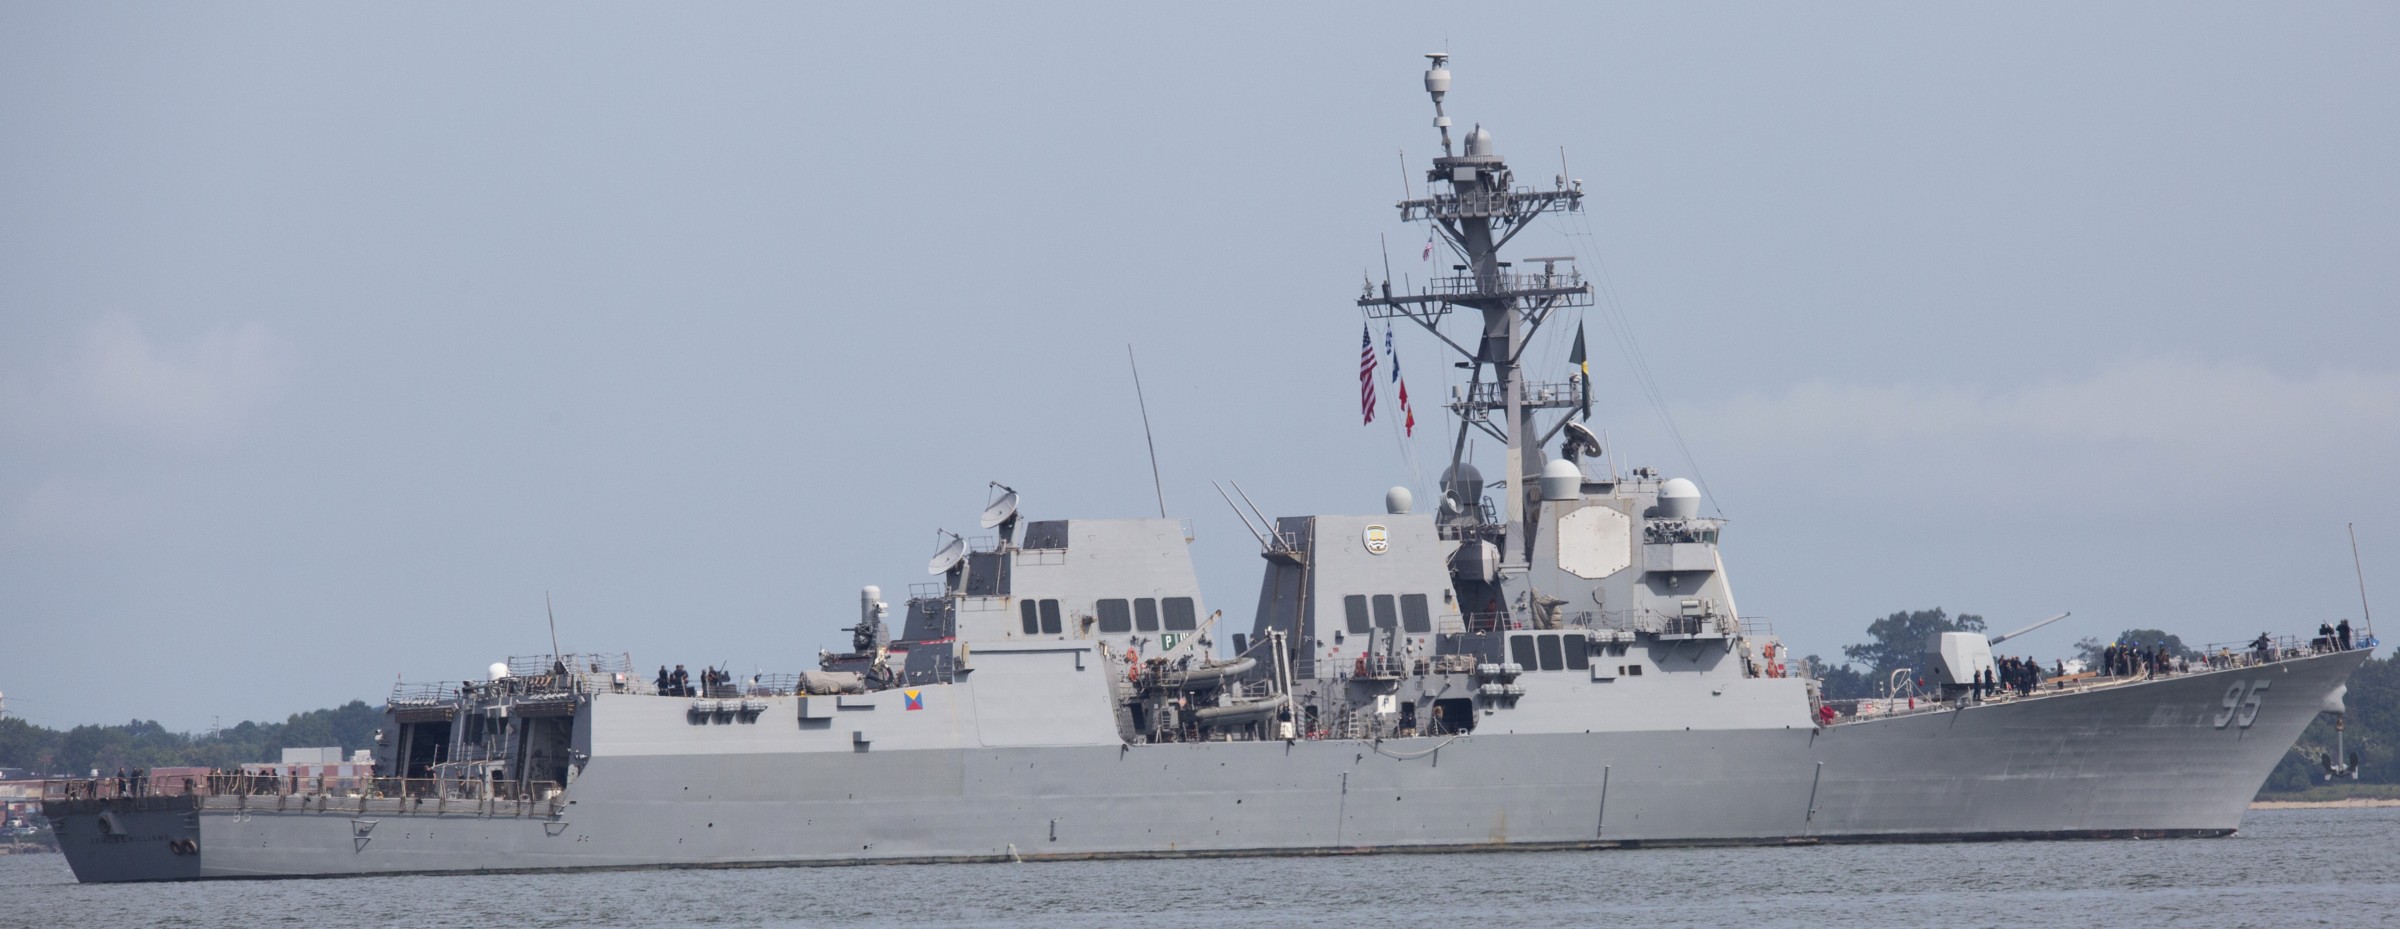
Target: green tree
2372 731
1841 682
1902 639
145 744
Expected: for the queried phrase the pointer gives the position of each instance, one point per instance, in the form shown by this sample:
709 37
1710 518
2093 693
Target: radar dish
1581 441
1000 510
948 557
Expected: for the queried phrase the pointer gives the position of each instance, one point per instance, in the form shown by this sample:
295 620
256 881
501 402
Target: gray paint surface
2142 759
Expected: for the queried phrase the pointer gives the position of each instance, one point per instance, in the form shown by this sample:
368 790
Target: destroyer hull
2163 758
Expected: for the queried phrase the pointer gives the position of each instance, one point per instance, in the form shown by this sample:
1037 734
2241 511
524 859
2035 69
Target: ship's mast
1482 210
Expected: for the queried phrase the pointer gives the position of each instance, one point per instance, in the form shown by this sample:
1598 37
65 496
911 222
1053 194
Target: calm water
2286 868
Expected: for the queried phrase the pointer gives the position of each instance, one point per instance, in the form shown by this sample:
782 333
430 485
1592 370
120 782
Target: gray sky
331 336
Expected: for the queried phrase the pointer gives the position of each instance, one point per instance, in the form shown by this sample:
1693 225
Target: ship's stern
130 838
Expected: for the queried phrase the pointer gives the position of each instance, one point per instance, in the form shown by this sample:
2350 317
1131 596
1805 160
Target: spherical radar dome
1479 142
1679 498
1561 481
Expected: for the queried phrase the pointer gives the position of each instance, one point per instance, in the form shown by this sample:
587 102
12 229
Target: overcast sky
332 337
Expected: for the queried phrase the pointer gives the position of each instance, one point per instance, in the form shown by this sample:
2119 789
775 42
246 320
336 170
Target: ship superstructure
1549 659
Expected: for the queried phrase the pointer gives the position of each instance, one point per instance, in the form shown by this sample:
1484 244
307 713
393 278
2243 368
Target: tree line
144 744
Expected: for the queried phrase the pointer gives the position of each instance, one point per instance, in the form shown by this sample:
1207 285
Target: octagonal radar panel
1595 542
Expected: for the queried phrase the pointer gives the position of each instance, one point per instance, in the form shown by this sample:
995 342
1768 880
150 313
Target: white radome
1679 498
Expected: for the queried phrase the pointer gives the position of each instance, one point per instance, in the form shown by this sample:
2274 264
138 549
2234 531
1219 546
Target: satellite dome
1463 483
1679 499
1397 500
1479 142
1561 481
499 670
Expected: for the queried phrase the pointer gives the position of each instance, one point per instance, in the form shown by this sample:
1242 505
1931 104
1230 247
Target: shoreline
2352 803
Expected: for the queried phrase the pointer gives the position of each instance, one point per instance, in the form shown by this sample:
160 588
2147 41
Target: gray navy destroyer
1549 659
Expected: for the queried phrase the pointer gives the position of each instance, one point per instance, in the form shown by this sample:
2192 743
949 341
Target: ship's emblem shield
916 699
1378 539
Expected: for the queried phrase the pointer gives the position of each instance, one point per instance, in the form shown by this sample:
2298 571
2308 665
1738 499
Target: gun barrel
2007 636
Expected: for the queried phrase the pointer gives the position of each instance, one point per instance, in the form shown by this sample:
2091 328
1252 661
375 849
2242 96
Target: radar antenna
949 556
1002 512
1481 211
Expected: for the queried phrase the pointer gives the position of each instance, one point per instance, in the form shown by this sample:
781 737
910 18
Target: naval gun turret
1959 659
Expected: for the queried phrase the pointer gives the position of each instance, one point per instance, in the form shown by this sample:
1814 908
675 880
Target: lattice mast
1481 211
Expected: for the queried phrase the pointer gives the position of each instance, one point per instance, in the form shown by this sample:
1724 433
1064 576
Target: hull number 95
2241 704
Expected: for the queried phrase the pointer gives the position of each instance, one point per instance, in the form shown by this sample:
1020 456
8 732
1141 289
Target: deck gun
1958 656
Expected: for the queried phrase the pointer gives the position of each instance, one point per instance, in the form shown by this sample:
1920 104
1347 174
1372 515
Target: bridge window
1145 614
1182 615
1520 651
1413 615
1115 617
1551 659
1386 615
1050 623
1354 608
1032 616
1579 653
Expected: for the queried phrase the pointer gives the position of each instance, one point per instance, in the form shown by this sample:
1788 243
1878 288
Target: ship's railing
1648 621
773 685
224 790
583 672
411 694
1520 201
577 662
1886 707
1481 397
2217 655
1488 530
404 796
1693 529
1492 622
757 685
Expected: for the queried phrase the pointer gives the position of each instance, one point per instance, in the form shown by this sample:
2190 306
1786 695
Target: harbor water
2305 867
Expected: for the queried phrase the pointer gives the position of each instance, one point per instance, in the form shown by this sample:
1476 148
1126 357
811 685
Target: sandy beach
2352 803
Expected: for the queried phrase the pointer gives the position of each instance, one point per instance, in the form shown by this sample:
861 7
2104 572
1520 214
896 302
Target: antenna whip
1155 485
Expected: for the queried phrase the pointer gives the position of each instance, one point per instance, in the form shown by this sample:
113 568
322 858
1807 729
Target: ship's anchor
2341 762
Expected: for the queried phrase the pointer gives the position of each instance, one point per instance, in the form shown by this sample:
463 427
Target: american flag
1366 372
1407 413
